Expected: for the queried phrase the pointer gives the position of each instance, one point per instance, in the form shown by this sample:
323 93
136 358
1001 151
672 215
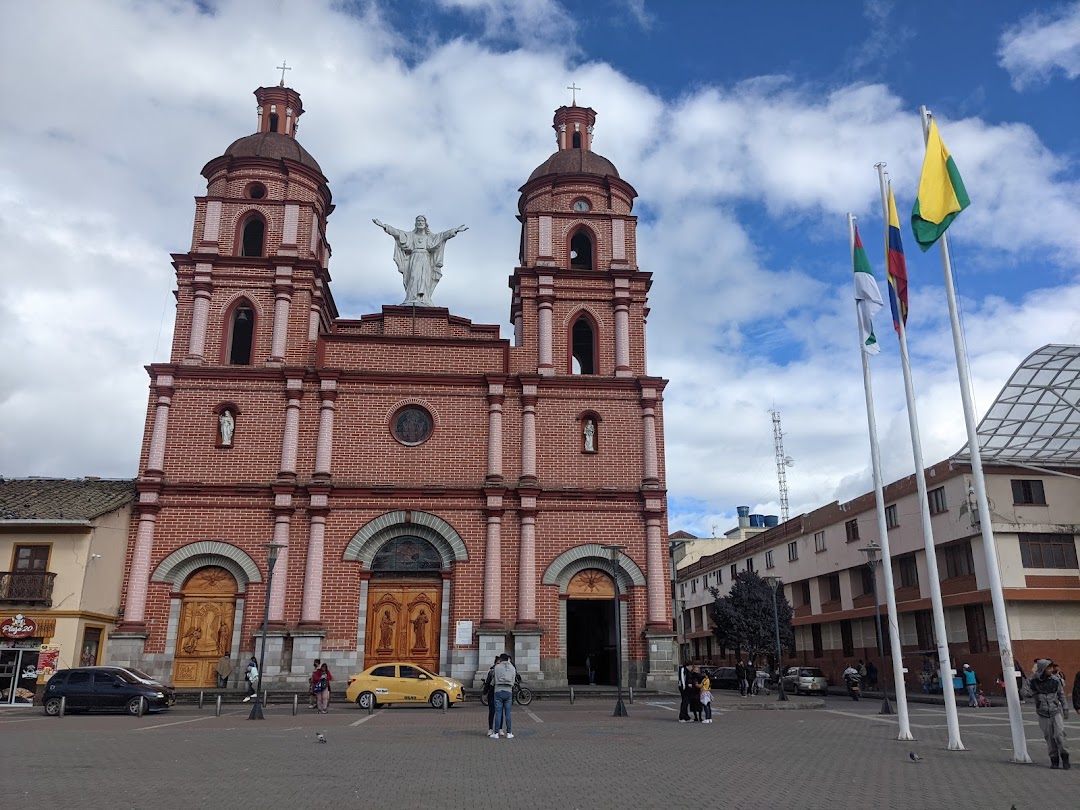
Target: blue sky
749 131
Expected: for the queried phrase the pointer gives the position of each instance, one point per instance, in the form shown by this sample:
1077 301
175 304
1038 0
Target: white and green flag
867 296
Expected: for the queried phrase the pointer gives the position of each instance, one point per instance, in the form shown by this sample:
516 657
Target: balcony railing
31 587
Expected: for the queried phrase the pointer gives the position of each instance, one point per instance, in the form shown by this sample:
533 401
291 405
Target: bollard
266 697
142 706
445 703
200 698
371 706
217 709
295 703
631 694
571 696
63 706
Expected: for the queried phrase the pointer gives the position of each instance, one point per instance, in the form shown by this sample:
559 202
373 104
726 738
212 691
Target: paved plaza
565 756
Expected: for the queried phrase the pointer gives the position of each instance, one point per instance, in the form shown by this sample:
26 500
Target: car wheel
52 707
133 705
366 700
437 699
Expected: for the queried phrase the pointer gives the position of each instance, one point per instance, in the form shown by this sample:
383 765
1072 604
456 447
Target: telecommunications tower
782 463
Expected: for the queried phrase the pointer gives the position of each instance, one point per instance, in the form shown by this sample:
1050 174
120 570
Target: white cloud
1040 45
526 22
101 163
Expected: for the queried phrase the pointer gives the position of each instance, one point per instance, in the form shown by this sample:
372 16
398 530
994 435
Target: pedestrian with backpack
251 675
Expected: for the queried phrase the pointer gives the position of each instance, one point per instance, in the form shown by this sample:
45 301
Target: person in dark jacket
694 688
1076 692
489 693
1048 689
685 678
740 675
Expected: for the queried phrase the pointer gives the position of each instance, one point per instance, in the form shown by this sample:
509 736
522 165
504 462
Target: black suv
105 689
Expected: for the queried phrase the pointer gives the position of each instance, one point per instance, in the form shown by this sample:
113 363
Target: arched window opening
252 240
243 330
584 348
406 557
577 140
273 122
581 252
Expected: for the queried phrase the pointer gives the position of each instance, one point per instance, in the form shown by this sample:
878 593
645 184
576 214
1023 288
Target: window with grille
936 497
693 586
819 542
793 551
1048 550
851 530
1028 491
734 571
750 564
909 572
891 520
769 560
958 560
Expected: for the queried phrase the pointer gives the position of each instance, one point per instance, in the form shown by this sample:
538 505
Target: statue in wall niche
590 436
226 423
418 255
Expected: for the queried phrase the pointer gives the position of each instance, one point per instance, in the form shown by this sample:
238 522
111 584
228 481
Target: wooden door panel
403 623
205 630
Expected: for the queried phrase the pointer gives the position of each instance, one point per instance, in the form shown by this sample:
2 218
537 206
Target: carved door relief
206 626
403 622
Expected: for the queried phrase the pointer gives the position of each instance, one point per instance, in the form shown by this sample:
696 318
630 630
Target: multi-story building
1030 464
59 597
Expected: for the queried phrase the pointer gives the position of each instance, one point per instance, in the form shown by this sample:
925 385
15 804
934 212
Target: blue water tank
743 511
772 520
757 521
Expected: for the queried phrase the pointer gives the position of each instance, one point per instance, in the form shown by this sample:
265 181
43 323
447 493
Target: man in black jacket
740 676
1076 692
489 693
685 677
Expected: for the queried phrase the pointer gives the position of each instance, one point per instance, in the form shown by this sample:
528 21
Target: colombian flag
941 192
897 268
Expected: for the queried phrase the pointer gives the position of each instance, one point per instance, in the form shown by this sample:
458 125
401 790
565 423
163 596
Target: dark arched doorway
404 604
590 628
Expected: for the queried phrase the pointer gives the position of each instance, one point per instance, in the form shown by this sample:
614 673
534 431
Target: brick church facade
435 492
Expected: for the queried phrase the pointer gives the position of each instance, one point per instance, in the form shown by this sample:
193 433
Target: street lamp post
871 551
272 550
774 584
620 708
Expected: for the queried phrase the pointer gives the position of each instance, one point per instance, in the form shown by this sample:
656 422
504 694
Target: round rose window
412 425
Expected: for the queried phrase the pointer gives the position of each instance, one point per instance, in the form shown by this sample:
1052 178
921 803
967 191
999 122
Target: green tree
744 620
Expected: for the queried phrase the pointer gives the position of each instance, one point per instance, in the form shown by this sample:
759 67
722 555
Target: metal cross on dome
283 67
573 88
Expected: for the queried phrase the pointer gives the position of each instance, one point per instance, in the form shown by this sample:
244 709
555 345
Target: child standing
706 697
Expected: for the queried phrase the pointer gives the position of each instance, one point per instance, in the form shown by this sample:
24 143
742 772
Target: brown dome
575 161
274 146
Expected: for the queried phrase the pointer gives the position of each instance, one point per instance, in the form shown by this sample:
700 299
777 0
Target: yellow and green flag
941 193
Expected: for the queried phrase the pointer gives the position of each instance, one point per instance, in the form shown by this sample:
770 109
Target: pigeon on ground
320 737
915 757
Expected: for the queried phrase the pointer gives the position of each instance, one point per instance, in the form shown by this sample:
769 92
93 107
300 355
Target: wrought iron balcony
27 587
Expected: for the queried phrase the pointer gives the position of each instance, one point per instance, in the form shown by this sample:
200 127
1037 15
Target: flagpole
895 645
993 572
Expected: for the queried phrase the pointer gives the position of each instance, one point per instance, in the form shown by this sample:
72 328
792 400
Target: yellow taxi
402 682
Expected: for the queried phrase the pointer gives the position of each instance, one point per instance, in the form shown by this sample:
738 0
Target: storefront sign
48 660
18 626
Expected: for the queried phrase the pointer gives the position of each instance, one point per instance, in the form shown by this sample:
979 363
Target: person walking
251 675
871 675
740 675
505 677
224 669
684 693
321 679
970 683
489 693
706 697
1049 693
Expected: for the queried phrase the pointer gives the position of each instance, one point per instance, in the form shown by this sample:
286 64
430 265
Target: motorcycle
853 685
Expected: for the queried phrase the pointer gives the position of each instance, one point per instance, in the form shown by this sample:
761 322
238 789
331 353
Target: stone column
527 565
314 312
546 301
141 558
651 476
291 438
622 326
155 462
528 433
310 611
325 446
656 576
200 314
283 288
493 570
282 520
495 403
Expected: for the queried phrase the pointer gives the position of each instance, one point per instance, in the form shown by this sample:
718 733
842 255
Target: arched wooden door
206 626
404 610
